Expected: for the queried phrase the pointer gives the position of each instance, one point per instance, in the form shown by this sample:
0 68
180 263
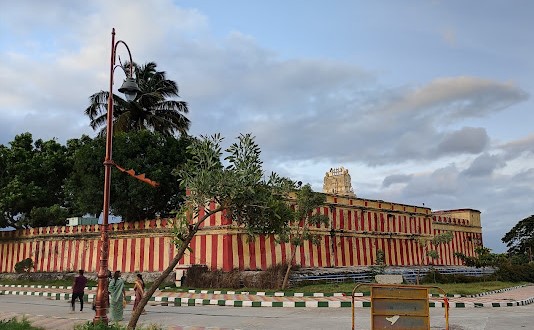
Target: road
55 314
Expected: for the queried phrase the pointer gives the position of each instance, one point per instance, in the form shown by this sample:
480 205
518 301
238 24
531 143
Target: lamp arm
129 54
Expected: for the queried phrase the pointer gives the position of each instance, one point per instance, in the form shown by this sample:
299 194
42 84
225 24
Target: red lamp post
130 90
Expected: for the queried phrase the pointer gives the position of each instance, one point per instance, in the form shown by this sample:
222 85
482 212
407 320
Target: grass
347 287
451 288
49 283
112 326
476 287
16 324
65 283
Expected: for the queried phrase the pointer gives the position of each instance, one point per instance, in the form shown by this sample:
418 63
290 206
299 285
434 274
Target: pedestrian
78 288
117 295
139 288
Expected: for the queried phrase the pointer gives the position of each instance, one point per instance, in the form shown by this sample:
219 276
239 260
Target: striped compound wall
358 229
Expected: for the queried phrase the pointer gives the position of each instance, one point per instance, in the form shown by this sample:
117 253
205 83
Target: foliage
238 190
32 176
304 216
380 263
113 326
16 324
520 239
515 272
431 244
483 258
146 152
199 276
434 276
24 266
153 109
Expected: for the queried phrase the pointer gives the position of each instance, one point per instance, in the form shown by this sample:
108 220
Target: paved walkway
517 296
511 297
68 323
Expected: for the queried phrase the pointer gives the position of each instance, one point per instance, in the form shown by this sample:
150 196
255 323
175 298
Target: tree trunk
288 270
148 294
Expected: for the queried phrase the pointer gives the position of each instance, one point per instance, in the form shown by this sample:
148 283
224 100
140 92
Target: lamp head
130 89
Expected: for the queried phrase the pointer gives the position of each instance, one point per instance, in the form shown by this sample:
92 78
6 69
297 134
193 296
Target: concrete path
517 296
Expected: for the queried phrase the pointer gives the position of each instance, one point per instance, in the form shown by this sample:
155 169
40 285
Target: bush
24 266
510 272
112 326
199 276
14 324
435 276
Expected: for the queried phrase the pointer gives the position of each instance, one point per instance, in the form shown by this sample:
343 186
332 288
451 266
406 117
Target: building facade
358 229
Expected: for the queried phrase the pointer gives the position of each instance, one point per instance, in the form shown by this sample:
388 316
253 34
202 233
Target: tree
153 109
145 152
520 239
32 177
483 258
239 190
430 245
305 215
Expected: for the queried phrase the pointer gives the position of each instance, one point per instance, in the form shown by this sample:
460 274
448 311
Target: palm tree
152 109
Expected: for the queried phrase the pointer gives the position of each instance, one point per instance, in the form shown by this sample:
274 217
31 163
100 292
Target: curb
185 301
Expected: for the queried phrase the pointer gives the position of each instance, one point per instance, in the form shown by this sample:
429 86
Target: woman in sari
117 293
139 289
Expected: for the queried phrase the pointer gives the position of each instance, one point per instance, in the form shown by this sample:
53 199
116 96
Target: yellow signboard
400 306
396 307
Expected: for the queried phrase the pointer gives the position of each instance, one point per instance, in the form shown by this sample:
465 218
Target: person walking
139 288
78 288
117 297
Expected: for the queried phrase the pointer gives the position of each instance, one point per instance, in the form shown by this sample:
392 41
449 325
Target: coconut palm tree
153 109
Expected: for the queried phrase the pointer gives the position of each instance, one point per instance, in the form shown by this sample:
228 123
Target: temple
358 229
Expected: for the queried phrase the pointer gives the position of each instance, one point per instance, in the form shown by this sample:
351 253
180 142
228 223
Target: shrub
199 276
510 272
112 326
434 276
24 266
14 324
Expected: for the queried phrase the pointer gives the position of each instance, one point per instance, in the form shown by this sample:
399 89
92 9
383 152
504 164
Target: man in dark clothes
77 289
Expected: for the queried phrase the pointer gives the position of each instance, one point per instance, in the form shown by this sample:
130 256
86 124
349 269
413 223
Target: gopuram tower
337 182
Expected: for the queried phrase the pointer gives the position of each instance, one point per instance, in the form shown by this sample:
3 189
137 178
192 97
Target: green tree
239 189
153 109
305 216
146 152
32 178
429 245
84 186
483 258
520 239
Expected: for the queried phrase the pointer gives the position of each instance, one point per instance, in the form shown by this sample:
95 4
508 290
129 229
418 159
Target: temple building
358 229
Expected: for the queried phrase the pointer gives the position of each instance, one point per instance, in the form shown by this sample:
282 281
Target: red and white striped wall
352 239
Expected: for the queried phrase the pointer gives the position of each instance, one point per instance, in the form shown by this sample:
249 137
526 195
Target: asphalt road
55 314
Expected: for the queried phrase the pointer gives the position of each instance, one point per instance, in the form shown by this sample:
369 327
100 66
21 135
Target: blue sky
423 101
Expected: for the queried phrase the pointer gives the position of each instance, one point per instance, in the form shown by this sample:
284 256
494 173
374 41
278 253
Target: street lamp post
130 90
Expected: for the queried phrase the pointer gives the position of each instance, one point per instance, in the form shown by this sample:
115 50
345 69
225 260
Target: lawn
452 288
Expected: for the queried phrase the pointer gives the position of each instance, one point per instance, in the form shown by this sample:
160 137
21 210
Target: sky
423 101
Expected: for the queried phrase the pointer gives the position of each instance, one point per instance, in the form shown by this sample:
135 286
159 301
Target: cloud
516 148
396 178
468 140
454 98
377 126
484 165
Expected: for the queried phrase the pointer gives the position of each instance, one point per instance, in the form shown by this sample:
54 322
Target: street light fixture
130 90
